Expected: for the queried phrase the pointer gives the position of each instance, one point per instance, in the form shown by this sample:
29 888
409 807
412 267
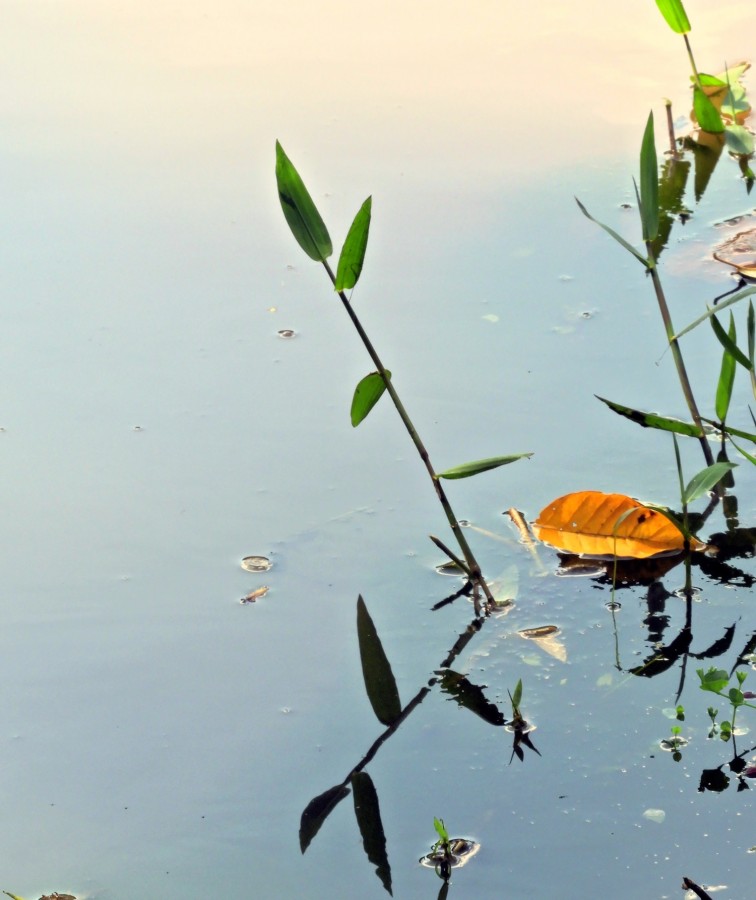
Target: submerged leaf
481 465
317 811
368 814
376 669
590 523
367 393
301 213
674 12
353 252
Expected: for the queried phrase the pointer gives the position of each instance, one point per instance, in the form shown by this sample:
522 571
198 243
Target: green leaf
705 480
715 680
652 420
620 240
726 374
368 814
367 393
742 452
353 251
739 140
706 113
376 669
517 696
441 831
649 183
674 12
729 431
301 214
710 80
736 697
481 465
729 344
741 295
14 896
317 811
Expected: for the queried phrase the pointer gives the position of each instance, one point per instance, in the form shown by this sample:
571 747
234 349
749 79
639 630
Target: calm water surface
160 739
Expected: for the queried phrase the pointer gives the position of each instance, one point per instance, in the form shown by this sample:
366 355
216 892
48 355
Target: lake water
161 739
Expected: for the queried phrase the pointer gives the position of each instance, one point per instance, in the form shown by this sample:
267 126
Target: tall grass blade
301 213
726 375
674 12
376 669
729 344
481 465
739 140
652 420
353 252
620 240
711 312
649 183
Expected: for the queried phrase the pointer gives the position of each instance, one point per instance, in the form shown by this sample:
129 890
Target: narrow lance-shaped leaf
610 231
706 113
368 814
649 183
317 811
481 465
726 374
379 679
353 252
652 420
301 213
729 344
741 295
674 12
705 480
367 393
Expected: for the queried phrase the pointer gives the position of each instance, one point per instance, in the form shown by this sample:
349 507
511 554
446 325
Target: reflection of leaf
368 814
353 252
376 669
300 212
664 657
672 182
481 465
597 524
739 140
706 152
471 697
367 393
720 646
317 811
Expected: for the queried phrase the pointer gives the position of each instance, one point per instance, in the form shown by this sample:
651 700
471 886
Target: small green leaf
726 374
706 113
376 669
300 211
674 12
652 420
367 393
517 695
739 140
368 815
649 183
620 240
481 465
714 680
441 831
736 697
353 252
705 480
730 431
729 344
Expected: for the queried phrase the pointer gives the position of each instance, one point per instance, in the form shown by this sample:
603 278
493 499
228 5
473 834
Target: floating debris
255 595
256 564
540 632
287 333
655 815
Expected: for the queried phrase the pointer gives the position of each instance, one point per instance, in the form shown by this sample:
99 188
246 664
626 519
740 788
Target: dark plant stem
671 130
692 62
677 355
476 574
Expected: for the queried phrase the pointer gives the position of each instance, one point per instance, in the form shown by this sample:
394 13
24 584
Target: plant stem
476 574
677 355
671 130
692 61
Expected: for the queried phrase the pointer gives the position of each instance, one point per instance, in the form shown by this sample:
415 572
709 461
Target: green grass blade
726 374
729 345
705 480
706 113
367 393
742 452
711 312
649 183
301 213
481 465
353 252
675 15
652 420
620 240
380 684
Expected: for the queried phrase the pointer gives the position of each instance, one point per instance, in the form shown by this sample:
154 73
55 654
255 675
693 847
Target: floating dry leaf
255 595
591 523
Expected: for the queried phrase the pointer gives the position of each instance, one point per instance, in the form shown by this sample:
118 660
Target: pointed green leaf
517 696
729 430
705 480
652 420
674 12
14 896
714 680
742 452
729 345
300 211
741 295
610 231
443 834
368 814
367 393
706 113
739 140
481 465
317 811
376 669
649 183
353 251
727 371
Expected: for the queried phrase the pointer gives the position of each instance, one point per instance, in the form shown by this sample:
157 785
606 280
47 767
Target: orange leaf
586 524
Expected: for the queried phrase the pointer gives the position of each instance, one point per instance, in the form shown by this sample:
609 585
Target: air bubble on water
287 333
256 564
